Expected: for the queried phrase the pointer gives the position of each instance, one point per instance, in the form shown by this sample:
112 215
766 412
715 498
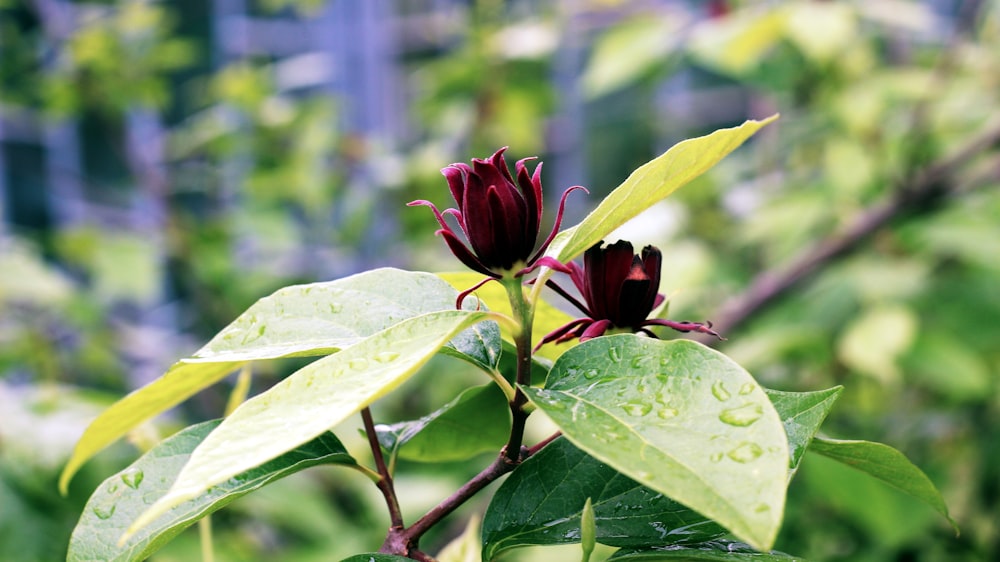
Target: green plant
666 449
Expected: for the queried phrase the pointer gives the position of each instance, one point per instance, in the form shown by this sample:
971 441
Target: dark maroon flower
619 290
499 216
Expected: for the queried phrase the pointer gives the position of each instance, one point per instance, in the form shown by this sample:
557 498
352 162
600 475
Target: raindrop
132 477
762 508
112 487
667 413
335 307
103 511
745 452
359 364
747 388
720 392
637 409
663 397
664 360
644 475
716 457
386 356
591 374
641 388
615 353
555 404
261 330
573 371
743 416
638 361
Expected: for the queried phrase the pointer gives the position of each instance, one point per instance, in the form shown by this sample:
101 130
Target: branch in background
927 187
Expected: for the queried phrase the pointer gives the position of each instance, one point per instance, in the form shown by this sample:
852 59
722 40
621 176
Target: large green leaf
713 551
679 418
888 465
802 413
123 496
475 422
541 502
314 319
310 401
650 183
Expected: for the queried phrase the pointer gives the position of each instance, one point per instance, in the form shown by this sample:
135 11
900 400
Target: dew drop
745 452
762 508
641 388
359 364
719 391
743 416
615 353
104 511
132 477
386 356
112 487
637 409
747 388
662 397
716 457
555 405
667 413
591 374
335 307
638 361
261 330
664 360
644 475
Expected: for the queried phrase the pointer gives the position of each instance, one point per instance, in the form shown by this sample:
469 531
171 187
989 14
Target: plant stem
496 469
524 314
384 483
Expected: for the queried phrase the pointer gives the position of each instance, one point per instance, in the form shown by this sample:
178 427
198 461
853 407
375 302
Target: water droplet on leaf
667 413
743 416
637 409
720 392
358 364
716 457
112 487
745 452
335 307
747 388
104 511
591 374
615 353
638 361
386 356
132 477
762 508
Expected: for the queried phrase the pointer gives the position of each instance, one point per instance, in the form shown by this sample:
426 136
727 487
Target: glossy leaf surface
680 418
713 551
123 496
312 400
541 503
802 413
475 422
888 465
650 183
314 319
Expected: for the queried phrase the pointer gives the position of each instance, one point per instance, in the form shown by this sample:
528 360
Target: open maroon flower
619 290
499 217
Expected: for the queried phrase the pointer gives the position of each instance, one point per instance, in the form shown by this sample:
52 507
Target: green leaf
539 504
475 422
802 413
542 501
679 418
650 183
886 464
123 496
300 320
721 551
310 401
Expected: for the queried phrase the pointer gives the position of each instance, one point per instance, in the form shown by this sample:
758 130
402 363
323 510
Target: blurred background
165 164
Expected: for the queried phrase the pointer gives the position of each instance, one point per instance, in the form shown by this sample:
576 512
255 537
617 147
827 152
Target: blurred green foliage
262 189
